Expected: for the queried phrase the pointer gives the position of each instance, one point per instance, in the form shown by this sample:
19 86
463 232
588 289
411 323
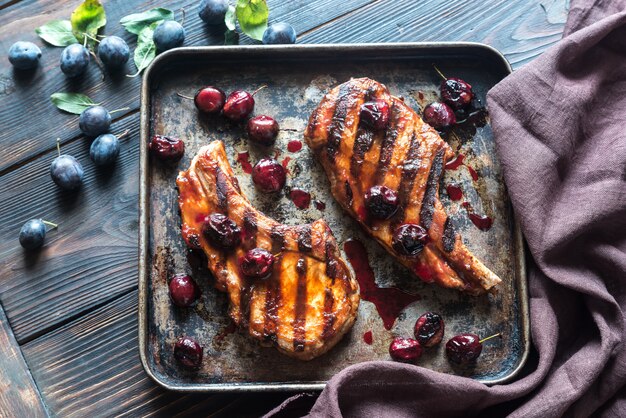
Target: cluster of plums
456 99
462 349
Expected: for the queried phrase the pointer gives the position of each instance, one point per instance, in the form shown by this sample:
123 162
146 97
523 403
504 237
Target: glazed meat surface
308 302
408 157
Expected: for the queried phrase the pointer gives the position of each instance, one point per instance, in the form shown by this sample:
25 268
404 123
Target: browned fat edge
430 194
337 123
249 229
329 299
449 236
362 144
409 171
387 144
304 239
272 295
221 189
299 323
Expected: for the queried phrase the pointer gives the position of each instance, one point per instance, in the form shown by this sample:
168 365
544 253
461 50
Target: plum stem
259 89
490 337
59 146
98 63
90 37
182 10
120 109
52 225
184 97
123 134
443 77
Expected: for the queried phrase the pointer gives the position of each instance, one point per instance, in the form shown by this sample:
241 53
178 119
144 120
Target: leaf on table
231 18
72 102
137 22
146 49
87 19
231 37
57 33
252 16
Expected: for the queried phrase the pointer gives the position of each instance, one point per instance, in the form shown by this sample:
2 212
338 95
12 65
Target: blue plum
94 121
32 234
213 11
113 51
74 60
104 149
24 55
67 172
168 34
279 33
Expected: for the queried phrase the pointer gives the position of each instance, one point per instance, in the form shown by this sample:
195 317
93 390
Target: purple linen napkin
560 128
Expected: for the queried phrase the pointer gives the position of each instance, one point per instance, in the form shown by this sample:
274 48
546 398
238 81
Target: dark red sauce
285 163
300 198
472 172
368 338
319 205
454 191
420 94
424 272
482 222
294 145
455 163
243 158
230 328
389 301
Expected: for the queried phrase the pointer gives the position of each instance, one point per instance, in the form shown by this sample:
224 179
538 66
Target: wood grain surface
72 305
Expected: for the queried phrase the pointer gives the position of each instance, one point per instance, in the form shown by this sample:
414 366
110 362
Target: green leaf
146 49
72 102
231 18
231 37
252 16
87 19
137 22
57 33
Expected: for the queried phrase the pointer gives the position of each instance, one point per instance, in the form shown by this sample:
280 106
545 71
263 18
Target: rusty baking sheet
297 76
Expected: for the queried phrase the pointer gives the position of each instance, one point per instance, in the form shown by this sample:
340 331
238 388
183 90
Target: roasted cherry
257 263
464 349
209 99
269 175
439 115
456 93
375 114
188 352
381 202
263 130
167 148
183 290
429 329
221 231
409 239
406 350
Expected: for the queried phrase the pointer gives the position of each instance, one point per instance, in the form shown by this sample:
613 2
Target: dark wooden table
68 321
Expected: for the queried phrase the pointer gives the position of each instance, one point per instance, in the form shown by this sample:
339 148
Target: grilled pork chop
309 301
408 157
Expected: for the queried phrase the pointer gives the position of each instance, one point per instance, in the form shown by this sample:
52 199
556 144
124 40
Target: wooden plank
25 97
91 367
521 29
19 396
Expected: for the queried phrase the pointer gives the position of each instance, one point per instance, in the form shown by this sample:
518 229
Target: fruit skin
409 239
32 234
239 105
464 349
94 121
456 93
168 34
24 55
221 231
439 115
257 264
67 172
269 175
104 149
263 130
213 11
183 290
381 202
167 148
209 99
74 60
375 114
405 350
113 51
188 352
429 329
279 33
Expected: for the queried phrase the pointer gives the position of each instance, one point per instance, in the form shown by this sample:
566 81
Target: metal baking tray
297 76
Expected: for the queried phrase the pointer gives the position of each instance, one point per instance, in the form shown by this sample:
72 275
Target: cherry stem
123 134
120 110
259 89
52 225
184 97
59 146
490 337
440 73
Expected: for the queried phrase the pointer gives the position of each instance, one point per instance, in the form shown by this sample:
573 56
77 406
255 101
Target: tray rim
241 50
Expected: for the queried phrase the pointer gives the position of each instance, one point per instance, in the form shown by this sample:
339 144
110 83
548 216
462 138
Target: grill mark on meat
430 194
272 295
278 240
348 190
329 316
409 171
299 322
337 124
387 144
304 239
249 229
449 236
362 144
221 189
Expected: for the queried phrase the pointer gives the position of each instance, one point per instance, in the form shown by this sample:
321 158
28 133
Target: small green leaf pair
82 27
